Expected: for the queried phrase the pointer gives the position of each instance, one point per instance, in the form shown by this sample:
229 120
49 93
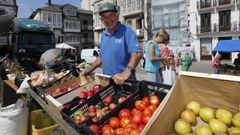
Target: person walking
178 63
216 63
153 59
120 51
187 62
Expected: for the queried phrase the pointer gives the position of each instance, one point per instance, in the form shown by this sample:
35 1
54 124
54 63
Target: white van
89 55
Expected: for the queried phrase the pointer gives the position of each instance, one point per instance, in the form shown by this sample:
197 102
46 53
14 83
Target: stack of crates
43 124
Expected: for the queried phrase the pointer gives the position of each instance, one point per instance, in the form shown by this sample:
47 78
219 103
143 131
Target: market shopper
120 51
216 63
153 59
178 63
187 62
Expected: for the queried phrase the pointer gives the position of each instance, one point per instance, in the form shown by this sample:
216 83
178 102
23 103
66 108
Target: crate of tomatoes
101 105
132 116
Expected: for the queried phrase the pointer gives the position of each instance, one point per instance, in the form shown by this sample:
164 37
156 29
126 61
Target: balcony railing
233 27
224 2
87 27
86 40
204 4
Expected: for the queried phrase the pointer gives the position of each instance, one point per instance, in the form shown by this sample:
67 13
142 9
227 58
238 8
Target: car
89 55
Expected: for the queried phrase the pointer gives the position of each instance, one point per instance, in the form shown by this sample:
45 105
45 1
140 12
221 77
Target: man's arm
120 78
95 64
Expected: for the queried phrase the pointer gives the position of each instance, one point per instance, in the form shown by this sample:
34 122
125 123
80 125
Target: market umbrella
227 46
64 46
48 57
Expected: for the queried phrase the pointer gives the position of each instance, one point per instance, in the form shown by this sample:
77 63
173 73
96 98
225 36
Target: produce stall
97 101
214 92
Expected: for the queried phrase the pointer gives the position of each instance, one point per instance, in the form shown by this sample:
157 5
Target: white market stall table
65 126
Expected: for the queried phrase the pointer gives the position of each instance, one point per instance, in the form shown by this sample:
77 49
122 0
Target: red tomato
146 100
154 100
82 94
137 118
114 122
112 106
108 99
135 132
152 107
125 122
147 111
95 128
135 111
124 113
120 131
96 88
141 127
140 105
121 99
129 128
108 131
107 126
146 118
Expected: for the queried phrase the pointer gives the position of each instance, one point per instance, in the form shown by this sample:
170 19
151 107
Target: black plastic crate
129 88
40 89
146 88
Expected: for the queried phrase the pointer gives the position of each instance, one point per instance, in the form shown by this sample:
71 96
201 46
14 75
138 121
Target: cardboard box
216 91
84 81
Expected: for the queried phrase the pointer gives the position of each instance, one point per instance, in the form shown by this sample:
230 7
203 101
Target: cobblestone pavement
202 67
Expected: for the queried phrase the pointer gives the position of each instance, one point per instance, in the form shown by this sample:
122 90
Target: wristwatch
131 69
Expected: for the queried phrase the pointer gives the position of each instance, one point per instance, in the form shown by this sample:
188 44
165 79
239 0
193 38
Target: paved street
202 67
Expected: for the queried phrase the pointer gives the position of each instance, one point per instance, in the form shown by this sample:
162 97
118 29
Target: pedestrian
153 59
237 62
187 62
216 63
120 51
178 63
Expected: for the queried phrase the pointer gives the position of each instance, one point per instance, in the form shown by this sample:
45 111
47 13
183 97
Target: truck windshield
37 38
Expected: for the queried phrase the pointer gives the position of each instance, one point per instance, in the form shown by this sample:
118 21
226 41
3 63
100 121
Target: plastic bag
169 76
24 86
14 119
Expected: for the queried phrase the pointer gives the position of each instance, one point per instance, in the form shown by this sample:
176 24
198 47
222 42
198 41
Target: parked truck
29 39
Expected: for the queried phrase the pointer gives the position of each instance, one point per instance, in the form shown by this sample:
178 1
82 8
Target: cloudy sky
26 7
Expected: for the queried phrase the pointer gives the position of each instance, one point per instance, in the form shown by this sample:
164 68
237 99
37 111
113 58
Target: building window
85 22
225 20
129 5
206 45
139 24
54 20
129 22
2 12
206 22
124 6
205 3
49 17
139 4
45 17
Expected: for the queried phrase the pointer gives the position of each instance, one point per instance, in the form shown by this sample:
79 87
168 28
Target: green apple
206 113
224 115
194 106
217 126
236 120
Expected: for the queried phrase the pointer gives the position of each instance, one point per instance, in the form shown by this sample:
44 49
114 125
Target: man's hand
85 72
120 78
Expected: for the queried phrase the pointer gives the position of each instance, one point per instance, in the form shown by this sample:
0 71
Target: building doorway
225 56
206 51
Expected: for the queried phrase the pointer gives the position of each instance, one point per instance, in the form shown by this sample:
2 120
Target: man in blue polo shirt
120 51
